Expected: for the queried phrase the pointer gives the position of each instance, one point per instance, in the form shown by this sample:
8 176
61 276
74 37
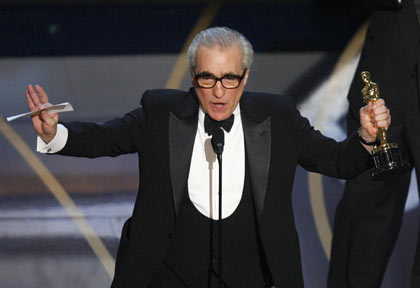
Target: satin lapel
257 133
182 130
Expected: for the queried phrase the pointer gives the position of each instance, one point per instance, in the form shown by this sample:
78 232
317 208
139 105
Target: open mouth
217 106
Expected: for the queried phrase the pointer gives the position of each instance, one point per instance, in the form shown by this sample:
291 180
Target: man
168 240
369 216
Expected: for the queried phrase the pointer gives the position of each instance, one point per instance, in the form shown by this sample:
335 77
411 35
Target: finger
382 116
44 115
380 102
365 110
383 124
372 131
372 106
381 109
34 96
368 125
42 95
45 106
47 120
53 114
365 118
31 104
54 117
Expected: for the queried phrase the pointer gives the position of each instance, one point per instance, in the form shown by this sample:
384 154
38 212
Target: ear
245 80
192 76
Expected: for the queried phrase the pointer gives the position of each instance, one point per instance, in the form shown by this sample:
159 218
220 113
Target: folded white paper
58 108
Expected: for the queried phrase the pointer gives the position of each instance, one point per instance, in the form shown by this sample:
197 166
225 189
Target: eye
206 77
231 77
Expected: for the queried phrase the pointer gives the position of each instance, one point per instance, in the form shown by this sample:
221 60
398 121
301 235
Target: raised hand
44 124
373 116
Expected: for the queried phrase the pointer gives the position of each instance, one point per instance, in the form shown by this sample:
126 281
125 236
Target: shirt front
203 179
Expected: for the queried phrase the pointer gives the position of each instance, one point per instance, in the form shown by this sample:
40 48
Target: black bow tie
210 124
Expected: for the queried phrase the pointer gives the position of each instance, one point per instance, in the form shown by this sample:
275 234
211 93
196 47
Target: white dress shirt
56 144
203 180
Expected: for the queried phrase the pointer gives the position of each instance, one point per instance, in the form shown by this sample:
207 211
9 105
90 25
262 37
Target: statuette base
388 161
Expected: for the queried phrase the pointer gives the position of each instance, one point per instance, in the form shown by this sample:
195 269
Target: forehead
218 60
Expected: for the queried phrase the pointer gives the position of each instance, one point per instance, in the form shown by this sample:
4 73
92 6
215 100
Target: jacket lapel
257 133
182 130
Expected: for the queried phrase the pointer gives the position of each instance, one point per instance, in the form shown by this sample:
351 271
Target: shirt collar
201 115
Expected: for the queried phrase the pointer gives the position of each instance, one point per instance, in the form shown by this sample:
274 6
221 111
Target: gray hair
223 37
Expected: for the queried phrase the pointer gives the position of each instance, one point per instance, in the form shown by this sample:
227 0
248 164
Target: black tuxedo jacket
162 132
389 54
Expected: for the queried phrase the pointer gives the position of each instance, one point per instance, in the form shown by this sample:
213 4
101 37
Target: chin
219 117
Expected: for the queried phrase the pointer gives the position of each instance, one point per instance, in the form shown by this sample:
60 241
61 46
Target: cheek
236 98
203 99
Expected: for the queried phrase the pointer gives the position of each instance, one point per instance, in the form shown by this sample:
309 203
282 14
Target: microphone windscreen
218 140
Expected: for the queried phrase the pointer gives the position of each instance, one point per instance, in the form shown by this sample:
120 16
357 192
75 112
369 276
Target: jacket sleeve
318 153
122 135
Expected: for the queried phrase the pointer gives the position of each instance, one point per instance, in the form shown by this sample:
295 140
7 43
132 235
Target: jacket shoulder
162 97
270 103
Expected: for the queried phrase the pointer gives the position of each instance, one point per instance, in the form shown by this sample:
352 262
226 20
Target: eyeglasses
229 81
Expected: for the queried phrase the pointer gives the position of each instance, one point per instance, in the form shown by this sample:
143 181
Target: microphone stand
218 141
219 256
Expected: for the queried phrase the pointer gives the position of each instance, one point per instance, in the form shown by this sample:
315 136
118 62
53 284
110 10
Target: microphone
218 141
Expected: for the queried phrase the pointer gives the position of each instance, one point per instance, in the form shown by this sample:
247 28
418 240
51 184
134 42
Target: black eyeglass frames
229 81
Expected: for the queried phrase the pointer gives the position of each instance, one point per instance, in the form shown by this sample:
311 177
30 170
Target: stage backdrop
61 218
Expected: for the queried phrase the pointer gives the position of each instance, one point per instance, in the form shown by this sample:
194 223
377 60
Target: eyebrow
206 73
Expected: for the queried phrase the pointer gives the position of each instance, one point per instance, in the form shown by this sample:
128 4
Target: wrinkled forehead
219 60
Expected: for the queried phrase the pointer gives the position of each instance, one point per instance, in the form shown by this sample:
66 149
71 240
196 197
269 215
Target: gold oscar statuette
386 156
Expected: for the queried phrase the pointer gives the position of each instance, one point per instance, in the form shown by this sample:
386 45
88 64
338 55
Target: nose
218 89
